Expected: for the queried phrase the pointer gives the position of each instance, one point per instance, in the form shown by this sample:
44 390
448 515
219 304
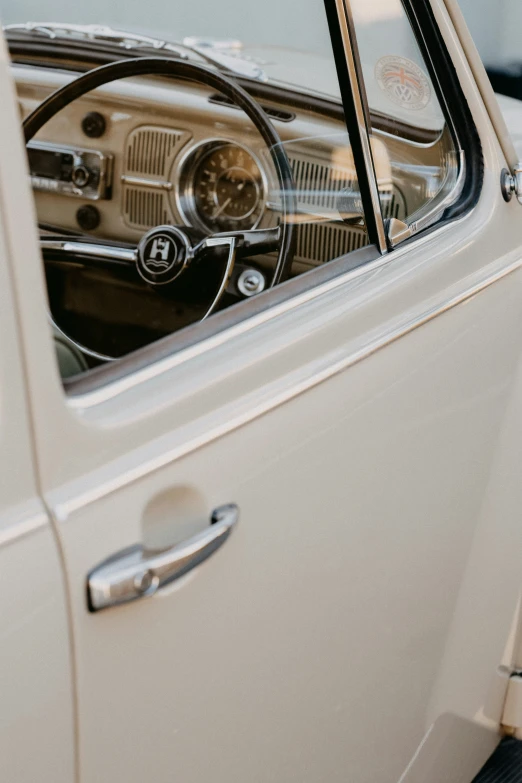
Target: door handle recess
134 573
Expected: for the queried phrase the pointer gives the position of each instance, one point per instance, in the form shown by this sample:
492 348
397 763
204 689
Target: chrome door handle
134 573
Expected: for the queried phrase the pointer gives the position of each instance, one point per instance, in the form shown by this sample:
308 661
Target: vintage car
258 288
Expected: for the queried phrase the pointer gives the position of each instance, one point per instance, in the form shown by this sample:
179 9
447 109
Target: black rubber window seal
453 102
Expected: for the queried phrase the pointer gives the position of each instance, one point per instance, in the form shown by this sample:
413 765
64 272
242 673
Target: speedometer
222 188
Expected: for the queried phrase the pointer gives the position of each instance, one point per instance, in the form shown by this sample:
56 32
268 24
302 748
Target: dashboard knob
88 217
80 176
94 125
251 282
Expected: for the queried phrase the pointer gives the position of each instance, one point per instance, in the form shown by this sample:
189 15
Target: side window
142 184
167 192
406 116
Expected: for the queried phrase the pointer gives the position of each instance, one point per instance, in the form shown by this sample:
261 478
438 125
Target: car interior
248 181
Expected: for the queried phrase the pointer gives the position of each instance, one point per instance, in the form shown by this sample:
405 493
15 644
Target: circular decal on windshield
403 82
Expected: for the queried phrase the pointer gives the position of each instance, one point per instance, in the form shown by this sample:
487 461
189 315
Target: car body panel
37 729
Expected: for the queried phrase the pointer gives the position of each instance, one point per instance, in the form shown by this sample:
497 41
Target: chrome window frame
357 116
438 208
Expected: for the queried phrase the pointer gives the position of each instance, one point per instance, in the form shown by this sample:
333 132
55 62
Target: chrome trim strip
437 209
101 490
20 529
343 10
144 182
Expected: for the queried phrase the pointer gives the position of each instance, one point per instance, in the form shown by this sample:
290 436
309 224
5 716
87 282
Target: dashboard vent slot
319 184
275 114
395 207
318 243
145 208
150 150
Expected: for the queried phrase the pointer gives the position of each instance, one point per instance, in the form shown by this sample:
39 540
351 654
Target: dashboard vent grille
150 150
395 207
318 243
318 184
145 208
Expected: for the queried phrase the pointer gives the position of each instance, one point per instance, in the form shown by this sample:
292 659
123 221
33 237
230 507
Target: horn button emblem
163 254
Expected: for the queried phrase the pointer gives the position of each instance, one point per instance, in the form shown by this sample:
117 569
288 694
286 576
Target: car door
353 421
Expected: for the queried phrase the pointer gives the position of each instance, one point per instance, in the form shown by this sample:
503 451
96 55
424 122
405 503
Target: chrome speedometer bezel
184 181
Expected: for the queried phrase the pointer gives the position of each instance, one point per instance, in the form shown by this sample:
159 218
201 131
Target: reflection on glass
405 114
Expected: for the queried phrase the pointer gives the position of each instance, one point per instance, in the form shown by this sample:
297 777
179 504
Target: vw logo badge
162 255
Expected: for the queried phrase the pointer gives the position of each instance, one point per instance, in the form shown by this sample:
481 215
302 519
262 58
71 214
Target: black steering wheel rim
188 71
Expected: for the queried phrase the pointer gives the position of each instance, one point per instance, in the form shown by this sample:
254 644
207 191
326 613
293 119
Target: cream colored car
260 395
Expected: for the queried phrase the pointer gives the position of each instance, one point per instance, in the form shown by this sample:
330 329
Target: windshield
258 36
266 22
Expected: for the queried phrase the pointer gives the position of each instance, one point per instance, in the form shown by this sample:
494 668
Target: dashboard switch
251 282
88 217
80 176
94 125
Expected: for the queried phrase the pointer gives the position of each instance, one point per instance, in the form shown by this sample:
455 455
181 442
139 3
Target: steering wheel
165 252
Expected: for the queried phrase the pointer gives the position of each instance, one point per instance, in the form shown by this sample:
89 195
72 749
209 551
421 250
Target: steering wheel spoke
64 248
247 243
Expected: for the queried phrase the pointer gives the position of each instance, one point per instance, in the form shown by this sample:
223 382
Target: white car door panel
309 645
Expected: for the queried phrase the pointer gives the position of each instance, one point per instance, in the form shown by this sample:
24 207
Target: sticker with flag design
403 82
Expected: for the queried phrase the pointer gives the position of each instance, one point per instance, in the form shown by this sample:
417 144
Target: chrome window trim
344 18
436 210
416 144
433 210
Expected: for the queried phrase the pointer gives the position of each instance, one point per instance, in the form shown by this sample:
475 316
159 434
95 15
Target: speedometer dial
223 189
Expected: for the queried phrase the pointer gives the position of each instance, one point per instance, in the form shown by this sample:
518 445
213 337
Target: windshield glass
261 35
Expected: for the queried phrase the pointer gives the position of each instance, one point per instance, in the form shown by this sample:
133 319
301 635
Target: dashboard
146 152
151 151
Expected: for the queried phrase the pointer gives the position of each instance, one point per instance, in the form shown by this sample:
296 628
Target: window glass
406 115
148 189
146 152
